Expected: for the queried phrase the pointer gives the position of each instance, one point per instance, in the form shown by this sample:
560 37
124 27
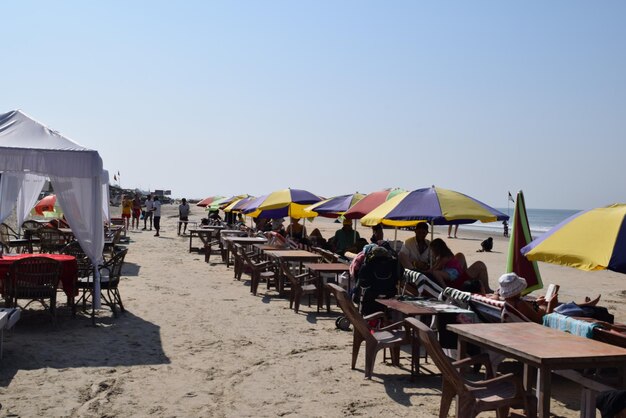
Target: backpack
377 277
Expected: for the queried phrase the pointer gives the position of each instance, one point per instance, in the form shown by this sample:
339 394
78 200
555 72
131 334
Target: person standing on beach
456 228
157 215
136 211
127 208
149 205
183 215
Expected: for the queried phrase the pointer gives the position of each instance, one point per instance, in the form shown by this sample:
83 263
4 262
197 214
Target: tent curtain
106 198
10 184
27 198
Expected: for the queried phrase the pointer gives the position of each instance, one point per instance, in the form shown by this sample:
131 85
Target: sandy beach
195 343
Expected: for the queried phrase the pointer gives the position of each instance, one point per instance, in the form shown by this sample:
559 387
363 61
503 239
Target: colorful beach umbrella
208 200
520 237
46 206
335 206
286 202
434 205
371 202
590 240
238 205
224 201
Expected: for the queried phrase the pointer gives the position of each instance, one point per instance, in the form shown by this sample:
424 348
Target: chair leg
356 345
370 359
446 399
297 296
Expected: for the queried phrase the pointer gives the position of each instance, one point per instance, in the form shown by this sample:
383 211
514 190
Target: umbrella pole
432 234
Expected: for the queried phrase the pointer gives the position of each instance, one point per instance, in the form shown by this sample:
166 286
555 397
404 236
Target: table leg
190 239
461 348
544 376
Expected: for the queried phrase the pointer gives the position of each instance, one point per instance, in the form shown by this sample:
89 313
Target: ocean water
539 220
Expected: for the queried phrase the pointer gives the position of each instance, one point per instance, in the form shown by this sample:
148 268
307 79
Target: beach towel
424 285
568 324
459 297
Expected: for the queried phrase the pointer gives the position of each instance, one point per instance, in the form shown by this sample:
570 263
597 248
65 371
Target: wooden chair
29 232
258 269
493 394
375 339
33 279
11 239
301 284
51 240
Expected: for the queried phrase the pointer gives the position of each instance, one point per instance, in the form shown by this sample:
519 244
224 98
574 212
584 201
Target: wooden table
204 234
298 256
319 268
232 240
541 348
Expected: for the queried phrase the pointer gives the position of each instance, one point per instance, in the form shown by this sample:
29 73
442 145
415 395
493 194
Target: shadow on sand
36 343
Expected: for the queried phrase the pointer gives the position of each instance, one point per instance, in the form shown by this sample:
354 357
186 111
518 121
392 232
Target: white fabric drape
106 212
10 184
27 198
81 201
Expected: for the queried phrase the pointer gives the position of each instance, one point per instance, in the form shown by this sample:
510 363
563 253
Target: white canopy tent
30 152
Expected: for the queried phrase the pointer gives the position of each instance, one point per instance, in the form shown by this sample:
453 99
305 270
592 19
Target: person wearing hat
345 237
511 288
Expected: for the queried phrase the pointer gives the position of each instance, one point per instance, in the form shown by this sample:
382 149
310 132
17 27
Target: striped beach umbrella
589 240
520 237
335 206
371 202
224 201
238 205
286 202
208 200
434 205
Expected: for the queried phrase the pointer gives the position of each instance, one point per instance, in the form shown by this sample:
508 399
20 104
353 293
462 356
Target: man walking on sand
148 212
183 215
157 215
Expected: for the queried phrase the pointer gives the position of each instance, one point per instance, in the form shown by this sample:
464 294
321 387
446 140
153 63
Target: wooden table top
266 247
292 254
327 267
406 308
245 240
541 346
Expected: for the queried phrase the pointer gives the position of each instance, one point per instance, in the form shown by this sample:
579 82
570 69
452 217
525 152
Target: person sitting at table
277 226
377 234
345 238
317 240
414 254
295 230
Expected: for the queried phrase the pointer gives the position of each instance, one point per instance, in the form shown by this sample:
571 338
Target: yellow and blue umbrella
286 202
434 205
238 205
335 206
590 240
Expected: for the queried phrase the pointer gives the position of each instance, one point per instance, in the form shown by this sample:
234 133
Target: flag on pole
511 197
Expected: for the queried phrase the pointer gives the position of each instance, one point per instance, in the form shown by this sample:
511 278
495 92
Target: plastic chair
375 339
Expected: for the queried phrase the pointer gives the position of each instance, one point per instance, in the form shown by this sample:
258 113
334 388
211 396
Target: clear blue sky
234 97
